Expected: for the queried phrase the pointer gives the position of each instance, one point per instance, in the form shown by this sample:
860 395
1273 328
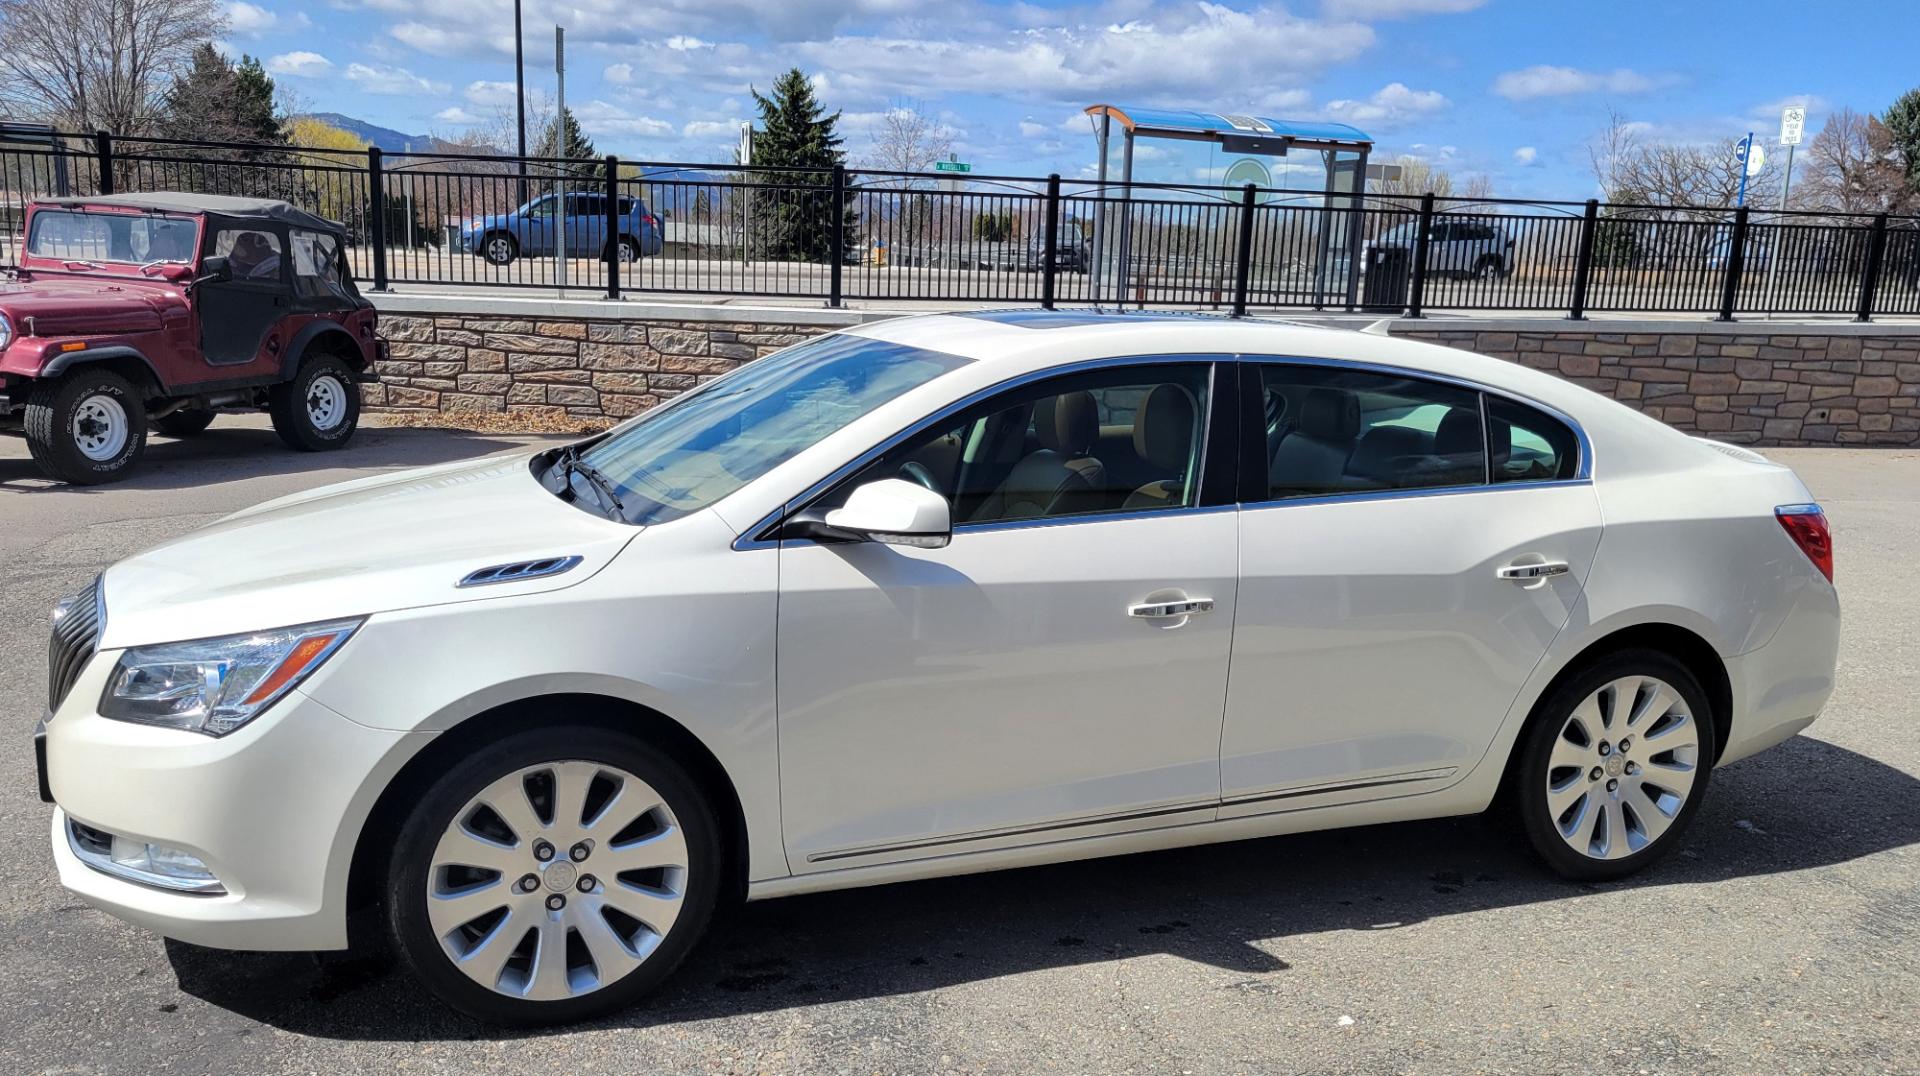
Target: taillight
652 221
1806 524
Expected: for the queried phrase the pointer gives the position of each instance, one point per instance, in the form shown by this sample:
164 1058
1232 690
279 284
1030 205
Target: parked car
163 309
1464 247
536 229
929 596
1071 254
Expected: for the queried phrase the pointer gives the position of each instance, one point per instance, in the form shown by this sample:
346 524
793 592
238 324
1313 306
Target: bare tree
1417 176
99 64
908 139
1477 188
1678 180
1852 167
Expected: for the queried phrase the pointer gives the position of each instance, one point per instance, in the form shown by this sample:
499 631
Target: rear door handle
1167 610
1528 573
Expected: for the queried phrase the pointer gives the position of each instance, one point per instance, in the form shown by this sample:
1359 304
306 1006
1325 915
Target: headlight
214 686
6 332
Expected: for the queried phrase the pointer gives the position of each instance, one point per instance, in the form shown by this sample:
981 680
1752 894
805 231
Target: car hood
72 305
373 545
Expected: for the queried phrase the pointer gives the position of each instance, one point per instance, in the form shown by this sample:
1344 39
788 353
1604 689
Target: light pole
520 96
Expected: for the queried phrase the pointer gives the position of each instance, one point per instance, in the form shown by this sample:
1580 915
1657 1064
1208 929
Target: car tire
186 422
86 428
1613 765
1486 268
319 409
484 955
499 248
627 250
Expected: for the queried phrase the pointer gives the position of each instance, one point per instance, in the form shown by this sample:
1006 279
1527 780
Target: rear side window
316 266
1334 431
1529 445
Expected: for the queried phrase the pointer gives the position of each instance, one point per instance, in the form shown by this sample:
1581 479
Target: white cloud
299 63
456 114
392 81
1525 156
250 19
713 130
1392 104
601 118
685 43
489 94
1395 9
619 74
1543 80
1030 129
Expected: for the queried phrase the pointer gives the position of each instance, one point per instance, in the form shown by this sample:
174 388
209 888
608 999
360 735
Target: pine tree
562 137
220 101
796 132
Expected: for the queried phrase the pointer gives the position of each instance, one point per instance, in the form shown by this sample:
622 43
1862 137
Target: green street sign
952 166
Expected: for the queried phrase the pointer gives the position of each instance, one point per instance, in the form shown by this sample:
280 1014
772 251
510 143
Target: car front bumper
273 810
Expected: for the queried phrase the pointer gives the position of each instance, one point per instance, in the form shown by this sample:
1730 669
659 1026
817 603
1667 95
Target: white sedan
941 594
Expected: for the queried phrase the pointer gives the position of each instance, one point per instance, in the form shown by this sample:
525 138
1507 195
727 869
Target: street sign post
952 166
1793 122
560 142
1751 159
951 170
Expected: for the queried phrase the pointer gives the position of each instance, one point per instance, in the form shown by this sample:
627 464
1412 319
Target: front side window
252 254
134 239
1114 440
696 450
1336 431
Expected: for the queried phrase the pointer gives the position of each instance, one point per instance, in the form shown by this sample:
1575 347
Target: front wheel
86 428
1614 764
556 875
499 248
319 409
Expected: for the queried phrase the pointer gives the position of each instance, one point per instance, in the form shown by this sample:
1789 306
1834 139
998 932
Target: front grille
75 636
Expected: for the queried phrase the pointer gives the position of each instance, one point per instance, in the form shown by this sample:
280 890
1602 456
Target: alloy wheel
557 880
100 428
1622 767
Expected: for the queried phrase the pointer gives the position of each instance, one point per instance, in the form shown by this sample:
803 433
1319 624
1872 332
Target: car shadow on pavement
229 453
1231 906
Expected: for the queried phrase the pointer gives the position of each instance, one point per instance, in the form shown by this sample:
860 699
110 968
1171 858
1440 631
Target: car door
240 317
1038 678
1398 582
586 225
536 225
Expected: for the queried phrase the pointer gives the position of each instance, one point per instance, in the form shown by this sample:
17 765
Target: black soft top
221 204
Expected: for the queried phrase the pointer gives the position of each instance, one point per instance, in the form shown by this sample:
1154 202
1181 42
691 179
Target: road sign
952 166
1750 154
1792 122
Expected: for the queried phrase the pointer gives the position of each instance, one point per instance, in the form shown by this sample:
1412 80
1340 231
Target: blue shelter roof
1211 126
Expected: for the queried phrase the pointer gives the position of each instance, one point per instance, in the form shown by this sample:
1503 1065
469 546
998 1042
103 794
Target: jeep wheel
86 428
186 422
319 409
499 248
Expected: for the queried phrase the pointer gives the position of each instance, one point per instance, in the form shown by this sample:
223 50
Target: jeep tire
320 408
86 428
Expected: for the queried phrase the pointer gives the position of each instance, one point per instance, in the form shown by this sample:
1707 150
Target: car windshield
128 238
698 449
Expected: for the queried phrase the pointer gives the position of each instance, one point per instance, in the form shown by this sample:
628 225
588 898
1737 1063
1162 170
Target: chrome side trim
1343 786
105 865
1420 491
751 537
518 571
1090 517
1015 831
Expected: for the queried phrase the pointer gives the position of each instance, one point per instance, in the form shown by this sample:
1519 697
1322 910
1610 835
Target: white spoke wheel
318 409
553 876
326 401
1614 764
99 428
88 426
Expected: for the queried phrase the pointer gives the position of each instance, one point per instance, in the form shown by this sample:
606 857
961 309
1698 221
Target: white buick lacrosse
941 594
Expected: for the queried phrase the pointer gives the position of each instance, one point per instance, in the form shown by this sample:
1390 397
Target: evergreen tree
796 132
1902 121
562 137
220 101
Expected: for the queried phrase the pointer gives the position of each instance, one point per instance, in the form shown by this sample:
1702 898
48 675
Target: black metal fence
631 228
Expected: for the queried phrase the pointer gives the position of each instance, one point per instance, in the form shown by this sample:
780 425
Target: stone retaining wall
1837 384
1748 387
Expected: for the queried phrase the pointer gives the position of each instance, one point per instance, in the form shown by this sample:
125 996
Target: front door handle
1168 610
1533 573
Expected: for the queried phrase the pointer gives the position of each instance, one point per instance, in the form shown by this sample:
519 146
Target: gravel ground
1783 938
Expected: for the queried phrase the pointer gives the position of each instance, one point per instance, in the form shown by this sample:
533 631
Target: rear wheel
86 428
1614 764
320 408
556 875
1486 268
186 422
627 250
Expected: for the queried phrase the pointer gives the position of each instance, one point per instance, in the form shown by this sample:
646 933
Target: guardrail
632 227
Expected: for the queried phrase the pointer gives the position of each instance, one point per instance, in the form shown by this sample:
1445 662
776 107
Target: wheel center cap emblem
1616 765
560 876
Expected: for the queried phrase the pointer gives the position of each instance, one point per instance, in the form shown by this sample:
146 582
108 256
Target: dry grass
526 421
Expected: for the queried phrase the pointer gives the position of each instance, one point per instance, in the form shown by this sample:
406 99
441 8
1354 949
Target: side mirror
213 269
891 511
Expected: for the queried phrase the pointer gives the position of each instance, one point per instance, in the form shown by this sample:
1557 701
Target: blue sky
1506 88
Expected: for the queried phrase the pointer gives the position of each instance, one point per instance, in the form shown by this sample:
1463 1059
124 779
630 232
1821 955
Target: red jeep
167 308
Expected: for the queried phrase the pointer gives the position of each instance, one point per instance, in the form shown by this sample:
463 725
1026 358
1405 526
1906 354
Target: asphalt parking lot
1783 938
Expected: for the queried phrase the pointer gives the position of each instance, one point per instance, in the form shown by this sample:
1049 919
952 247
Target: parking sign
1792 122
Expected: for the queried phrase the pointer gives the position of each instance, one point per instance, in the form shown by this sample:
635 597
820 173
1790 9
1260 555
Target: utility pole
520 96
560 141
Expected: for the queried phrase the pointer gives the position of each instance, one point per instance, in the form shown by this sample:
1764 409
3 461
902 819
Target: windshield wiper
571 465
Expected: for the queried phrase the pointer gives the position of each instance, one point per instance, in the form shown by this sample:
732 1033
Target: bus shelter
1245 150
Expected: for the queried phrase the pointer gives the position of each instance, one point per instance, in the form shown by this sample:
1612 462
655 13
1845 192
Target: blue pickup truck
534 228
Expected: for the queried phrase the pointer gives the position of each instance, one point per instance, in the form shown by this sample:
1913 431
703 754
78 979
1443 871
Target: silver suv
1478 249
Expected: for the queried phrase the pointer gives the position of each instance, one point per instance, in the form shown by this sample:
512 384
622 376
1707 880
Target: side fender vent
520 570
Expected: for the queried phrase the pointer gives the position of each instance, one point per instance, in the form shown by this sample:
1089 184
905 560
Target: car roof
221 204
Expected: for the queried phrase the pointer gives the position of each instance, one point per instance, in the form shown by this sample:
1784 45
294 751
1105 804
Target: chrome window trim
751 537
1414 491
1582 471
